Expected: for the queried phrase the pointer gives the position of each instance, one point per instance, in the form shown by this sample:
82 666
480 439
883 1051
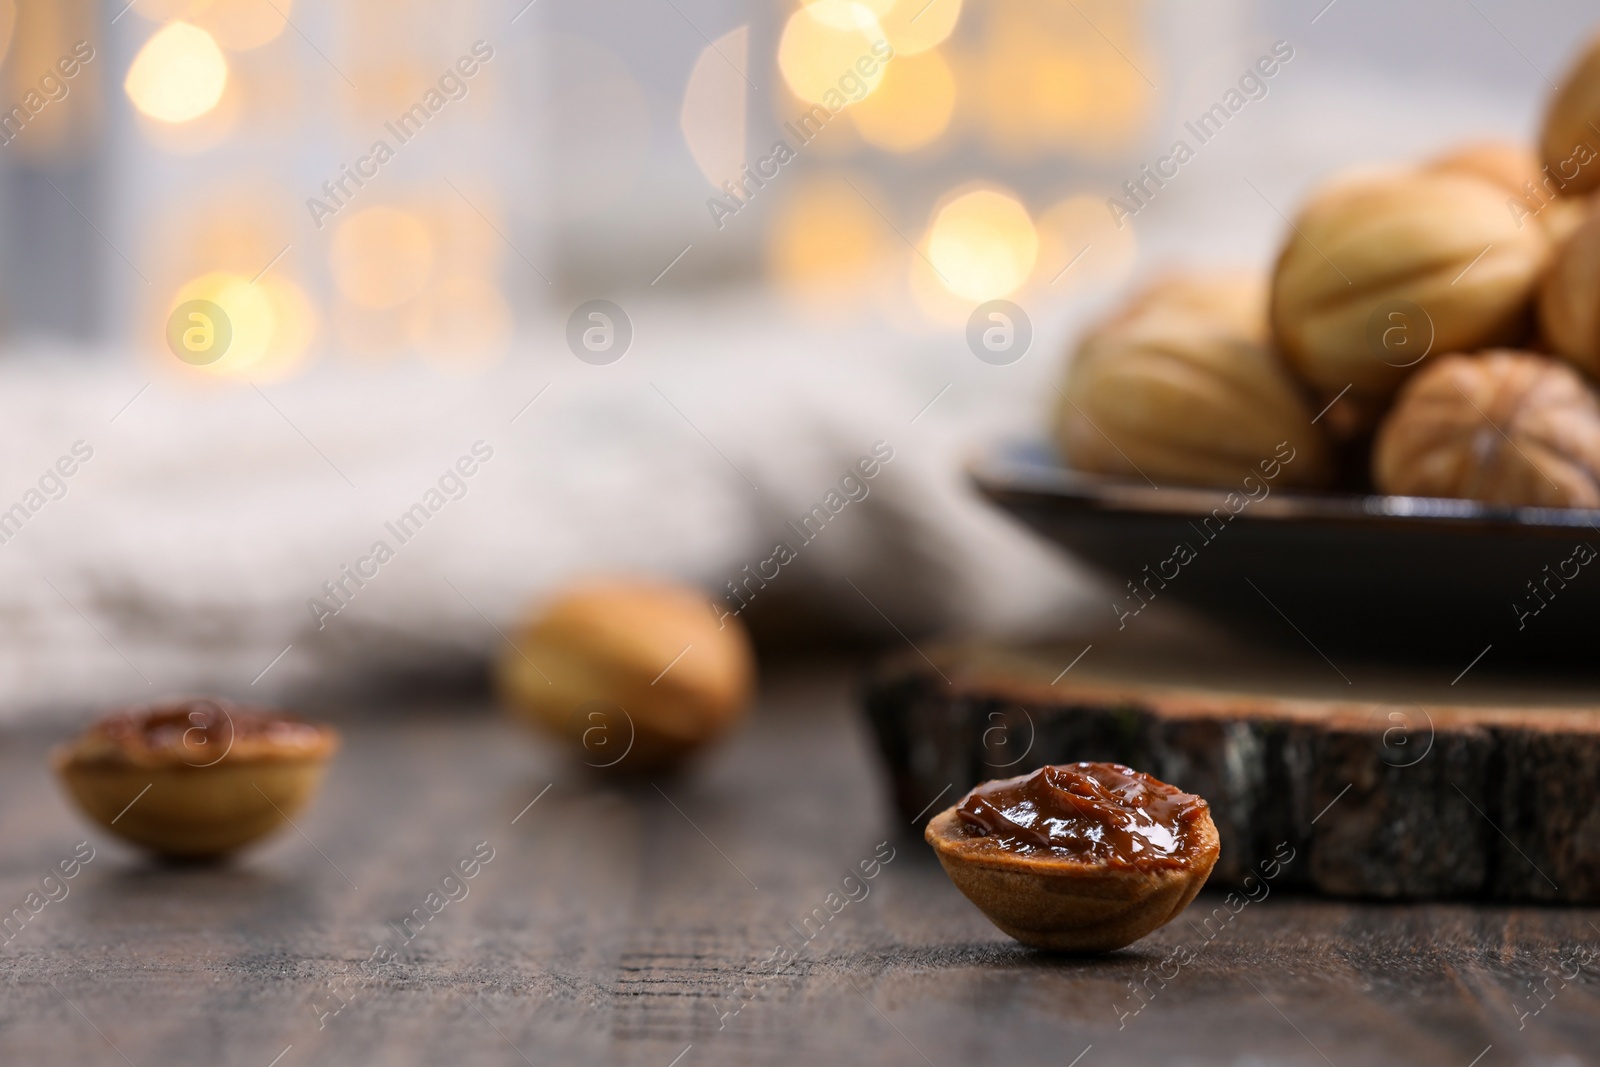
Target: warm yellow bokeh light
249 312
381 257
846 14
932 299
830 8
822 44
178 75
272 321
1044 80
294 327
915 26
241 25
826 246
912 107
202 133
1080 246
462 324
983 244
167 10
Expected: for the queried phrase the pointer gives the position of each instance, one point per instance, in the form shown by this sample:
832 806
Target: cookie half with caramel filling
1080 857
195 778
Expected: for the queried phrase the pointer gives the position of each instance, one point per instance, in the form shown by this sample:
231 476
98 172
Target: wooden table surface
619 924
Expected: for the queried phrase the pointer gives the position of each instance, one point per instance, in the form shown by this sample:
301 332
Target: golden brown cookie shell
1569 298
1570 119
1180 386
1443 242
179 800
1049 902
607 643
1503 427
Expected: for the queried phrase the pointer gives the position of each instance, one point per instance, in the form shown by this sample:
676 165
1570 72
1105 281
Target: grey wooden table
638 925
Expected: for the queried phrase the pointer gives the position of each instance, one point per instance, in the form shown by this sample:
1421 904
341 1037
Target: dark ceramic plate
1388 576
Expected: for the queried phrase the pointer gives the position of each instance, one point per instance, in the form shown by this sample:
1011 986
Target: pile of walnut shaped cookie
1429 331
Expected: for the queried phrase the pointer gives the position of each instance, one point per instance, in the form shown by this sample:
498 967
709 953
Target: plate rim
1027 470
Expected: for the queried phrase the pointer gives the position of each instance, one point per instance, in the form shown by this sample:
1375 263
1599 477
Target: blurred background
391 305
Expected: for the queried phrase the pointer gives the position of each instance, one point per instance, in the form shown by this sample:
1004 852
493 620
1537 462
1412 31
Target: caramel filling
195 732
1101 813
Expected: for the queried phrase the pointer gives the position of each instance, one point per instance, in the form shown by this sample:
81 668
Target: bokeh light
983 244
715 101
930 295
1044 81
914 26
1080 247
381 257
167 10
178 75
912 107
273 324
204 132
879 8
821 45
826 246
294 328
240 25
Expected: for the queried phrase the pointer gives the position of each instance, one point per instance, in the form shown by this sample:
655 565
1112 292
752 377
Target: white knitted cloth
192 547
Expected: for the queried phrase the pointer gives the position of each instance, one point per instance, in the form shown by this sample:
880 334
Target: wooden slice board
1396 787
